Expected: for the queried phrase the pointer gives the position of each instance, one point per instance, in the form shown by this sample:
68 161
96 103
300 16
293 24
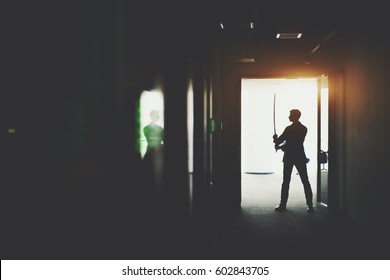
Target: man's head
295 114
154 115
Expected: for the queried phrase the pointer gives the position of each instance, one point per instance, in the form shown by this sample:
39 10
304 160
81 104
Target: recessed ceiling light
288 35
252 25
221 24
244 60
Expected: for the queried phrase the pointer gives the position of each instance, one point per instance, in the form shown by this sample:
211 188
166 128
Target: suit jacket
293 137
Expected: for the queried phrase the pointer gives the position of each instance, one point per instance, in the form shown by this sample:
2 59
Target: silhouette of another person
153 158
154 134
291 143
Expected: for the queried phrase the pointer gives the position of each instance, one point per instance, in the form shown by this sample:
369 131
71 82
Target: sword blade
274 113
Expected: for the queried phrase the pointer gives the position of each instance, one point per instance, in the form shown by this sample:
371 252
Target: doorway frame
318 77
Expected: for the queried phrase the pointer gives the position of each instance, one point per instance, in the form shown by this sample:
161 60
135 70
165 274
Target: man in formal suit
291 143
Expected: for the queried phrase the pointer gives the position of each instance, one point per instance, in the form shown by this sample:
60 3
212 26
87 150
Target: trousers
302 171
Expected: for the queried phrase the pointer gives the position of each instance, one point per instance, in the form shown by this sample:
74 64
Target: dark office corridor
73 181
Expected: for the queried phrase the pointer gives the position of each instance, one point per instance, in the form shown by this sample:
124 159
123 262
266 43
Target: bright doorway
261 165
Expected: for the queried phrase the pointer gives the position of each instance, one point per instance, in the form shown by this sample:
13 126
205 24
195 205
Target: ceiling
309 17
313 18
326 26
320 24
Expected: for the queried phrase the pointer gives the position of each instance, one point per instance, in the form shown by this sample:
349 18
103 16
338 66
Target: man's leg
287 169
302 170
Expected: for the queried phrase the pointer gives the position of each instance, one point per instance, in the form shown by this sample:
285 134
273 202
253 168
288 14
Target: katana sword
274 113
276 149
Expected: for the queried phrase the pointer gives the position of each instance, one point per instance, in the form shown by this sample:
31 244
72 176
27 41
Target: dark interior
73 185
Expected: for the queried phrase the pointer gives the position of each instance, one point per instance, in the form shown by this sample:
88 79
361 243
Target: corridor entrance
261 165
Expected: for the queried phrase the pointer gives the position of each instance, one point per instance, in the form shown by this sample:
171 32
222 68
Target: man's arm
280 140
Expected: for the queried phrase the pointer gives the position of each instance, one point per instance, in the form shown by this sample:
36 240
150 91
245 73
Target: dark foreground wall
365 120
73 184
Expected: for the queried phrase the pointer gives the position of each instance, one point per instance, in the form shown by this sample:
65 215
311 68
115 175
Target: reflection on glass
150 101
152 141
154 133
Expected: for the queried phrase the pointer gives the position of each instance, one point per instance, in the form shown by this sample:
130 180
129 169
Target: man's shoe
280 208
310 208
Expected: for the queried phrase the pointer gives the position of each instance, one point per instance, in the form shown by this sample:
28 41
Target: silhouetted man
154 134
291 142
153 159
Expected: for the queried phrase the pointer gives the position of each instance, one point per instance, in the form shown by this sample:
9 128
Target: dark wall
73 184
67 183
366 116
